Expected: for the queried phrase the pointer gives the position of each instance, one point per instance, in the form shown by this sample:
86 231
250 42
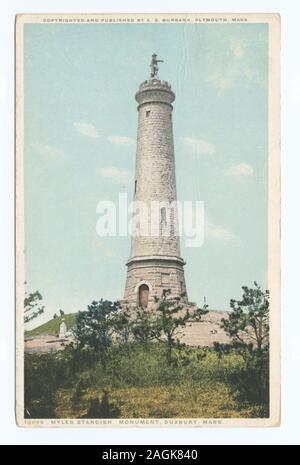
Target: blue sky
80 132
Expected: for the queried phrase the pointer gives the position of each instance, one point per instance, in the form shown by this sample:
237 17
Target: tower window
147 113
163 220
135 186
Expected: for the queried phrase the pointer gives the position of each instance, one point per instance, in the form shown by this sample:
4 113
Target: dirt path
45 343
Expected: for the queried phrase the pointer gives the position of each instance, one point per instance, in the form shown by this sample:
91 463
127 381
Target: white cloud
218 232
119 176
240 171
238 48
199 145
49 151
86 129
121 140
220 80
238 73
233 63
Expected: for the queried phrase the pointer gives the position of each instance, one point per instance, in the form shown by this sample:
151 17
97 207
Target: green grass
141 387
213 400
139 384
52 326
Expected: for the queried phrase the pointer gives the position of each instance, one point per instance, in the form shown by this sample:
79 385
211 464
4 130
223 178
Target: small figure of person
154 66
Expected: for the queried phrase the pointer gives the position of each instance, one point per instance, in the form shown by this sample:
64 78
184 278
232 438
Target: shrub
42 376
248 328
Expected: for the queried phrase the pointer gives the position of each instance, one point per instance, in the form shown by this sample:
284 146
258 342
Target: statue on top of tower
154 66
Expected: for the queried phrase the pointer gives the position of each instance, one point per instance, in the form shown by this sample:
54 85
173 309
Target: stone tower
155 263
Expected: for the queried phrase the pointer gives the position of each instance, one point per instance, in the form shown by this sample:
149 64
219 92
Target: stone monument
155 263
62 329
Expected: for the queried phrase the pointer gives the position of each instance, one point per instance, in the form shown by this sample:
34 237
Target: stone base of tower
147 277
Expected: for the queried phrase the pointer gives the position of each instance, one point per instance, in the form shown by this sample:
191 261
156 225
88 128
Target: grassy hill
52 326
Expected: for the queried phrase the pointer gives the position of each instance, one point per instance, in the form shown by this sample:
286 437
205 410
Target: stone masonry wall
158 278
155 174
155 180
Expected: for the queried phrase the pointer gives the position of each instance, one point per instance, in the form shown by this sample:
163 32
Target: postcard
148 220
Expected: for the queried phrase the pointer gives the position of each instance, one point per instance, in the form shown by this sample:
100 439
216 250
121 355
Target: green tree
144 326
94 328
61 312
121 325
248 328
172 316
248 322
33 306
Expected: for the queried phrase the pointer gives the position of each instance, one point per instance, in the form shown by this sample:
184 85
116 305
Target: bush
251 383
42 374
68 379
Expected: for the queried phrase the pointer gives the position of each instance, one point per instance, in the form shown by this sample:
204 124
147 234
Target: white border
288 433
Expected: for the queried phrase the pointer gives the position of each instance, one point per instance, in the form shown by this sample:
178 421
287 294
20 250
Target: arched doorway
143 295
